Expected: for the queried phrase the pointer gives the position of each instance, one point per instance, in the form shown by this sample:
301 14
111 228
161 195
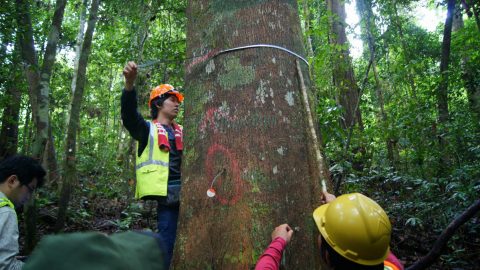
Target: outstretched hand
284 231
130 74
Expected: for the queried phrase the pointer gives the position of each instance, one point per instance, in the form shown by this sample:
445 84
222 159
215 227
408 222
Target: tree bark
246 128
344 78
70 170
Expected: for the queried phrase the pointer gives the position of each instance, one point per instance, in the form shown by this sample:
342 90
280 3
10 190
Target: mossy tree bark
246 137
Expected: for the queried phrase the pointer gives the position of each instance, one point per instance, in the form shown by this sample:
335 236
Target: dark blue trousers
167 217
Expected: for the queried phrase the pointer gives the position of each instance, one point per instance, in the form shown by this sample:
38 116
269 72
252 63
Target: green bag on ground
93 250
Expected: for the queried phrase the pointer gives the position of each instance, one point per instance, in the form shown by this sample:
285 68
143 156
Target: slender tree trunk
50 160
10 117
39 85
70 170
442 90
79 41
308 36
470 71
27 132
11 112
28 54
344 78
246 138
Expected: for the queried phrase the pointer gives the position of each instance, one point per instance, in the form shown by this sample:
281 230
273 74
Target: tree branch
442 240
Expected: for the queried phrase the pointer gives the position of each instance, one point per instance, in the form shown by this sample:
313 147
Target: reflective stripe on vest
389 266
6 202
152 168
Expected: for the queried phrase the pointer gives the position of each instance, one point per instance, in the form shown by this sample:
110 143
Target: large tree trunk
344 78
246 137
70 170
39 86
442 90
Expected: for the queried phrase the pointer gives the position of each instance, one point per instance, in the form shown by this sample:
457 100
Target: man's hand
130 74
284 231
327 197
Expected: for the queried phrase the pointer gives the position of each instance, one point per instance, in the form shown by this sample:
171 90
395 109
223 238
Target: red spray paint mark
200 59
232 165
209 119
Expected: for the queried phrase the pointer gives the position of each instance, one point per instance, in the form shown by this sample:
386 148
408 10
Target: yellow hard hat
164 89
356 227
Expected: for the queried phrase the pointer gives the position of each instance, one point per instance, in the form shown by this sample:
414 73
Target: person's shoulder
7 215
6 210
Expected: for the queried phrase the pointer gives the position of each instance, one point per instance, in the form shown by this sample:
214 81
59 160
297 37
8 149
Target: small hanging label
211 192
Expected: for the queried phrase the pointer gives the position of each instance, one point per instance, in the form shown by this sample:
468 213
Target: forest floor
115 215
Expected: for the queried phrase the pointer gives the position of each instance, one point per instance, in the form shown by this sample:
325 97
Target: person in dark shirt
159 151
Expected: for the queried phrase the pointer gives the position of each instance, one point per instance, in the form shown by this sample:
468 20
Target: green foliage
420 209
395 158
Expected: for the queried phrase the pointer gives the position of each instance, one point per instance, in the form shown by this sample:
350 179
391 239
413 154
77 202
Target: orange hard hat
164 89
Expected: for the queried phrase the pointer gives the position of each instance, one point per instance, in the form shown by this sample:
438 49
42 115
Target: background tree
70 177
39 87
344 77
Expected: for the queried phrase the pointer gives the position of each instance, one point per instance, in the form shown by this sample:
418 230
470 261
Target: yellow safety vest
152 168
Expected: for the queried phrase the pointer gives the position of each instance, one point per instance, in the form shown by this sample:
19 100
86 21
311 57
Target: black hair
25 168
338 262
158 101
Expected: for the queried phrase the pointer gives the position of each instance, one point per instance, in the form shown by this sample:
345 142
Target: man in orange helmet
159 151
354 234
